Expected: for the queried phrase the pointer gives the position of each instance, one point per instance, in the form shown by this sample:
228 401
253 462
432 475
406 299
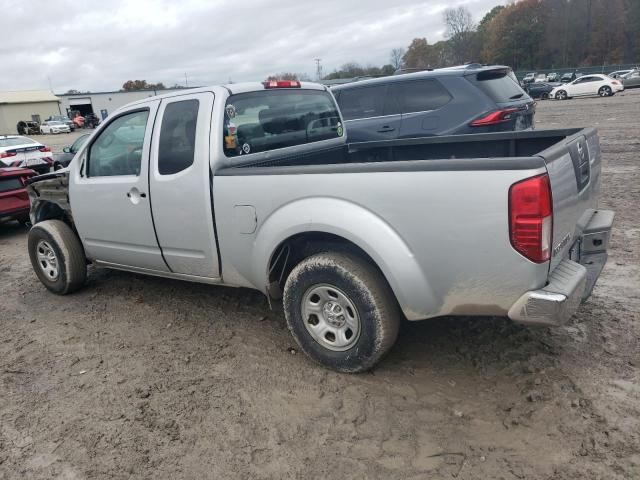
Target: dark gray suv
447 101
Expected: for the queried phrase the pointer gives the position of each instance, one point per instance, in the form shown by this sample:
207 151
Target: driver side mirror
66 149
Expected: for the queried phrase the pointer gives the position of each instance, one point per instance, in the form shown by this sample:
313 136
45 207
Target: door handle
135 195
385 129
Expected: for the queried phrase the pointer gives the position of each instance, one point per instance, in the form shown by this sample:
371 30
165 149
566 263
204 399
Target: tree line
525 34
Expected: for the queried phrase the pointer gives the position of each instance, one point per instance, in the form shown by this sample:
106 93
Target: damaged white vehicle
254 185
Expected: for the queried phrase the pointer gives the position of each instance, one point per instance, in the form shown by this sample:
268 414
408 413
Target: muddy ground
137 377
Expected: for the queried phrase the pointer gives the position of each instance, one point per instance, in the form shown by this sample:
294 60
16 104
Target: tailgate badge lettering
562 244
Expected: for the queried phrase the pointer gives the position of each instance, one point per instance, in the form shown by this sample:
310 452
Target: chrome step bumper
572 281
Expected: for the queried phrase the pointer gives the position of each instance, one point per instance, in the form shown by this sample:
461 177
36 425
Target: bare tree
396 57
461 32
458 21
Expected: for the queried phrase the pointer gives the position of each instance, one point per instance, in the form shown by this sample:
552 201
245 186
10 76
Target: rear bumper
572 281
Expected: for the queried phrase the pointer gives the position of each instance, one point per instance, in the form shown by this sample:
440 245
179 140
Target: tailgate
574 166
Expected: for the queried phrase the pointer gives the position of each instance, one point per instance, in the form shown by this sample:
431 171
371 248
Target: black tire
561 95
365 287
605 91
70 261
544 96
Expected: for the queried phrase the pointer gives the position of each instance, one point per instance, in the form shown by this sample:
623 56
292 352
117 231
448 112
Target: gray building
26 105
103 103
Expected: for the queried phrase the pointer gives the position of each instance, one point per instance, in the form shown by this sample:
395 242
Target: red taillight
44 149
495 117
530 218
281 84
7 154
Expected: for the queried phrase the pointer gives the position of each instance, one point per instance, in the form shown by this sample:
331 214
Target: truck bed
504 145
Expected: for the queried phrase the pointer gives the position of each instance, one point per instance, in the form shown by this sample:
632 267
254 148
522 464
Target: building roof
28 96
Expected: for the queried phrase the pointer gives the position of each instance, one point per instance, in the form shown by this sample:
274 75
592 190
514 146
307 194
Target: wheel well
303 245
51 211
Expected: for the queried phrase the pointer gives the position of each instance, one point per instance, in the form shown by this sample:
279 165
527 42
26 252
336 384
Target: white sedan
587 85
54 126
17 151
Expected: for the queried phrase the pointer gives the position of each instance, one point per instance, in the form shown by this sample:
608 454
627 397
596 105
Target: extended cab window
118 149
177 136
420 95
262 121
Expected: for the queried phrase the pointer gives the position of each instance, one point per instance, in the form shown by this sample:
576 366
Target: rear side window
500 86
420 95
272 119
177 136
363 102
9 184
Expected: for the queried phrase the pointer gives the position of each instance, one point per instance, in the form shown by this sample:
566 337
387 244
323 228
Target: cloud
99 45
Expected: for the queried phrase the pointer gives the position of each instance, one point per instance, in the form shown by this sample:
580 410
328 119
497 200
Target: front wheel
605 91
544 96
561 95
341 311
57 256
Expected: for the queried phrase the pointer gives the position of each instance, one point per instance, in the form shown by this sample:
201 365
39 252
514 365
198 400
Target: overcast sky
89 45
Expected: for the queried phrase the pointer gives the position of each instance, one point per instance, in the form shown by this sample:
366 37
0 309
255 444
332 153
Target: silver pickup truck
253 185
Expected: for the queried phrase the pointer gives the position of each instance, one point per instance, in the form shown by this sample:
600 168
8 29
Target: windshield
15 141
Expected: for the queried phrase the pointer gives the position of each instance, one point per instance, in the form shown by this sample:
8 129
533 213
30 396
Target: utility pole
318 69
186 80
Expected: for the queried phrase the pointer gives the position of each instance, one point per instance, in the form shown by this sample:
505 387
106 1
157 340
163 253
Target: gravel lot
140 377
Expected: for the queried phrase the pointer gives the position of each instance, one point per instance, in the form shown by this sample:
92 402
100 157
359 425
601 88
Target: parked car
54 126
631 79
91 120
529 77
541 77
14 201
64 119
353 237
27 127
588 85
61 160
553 77
619 73
540 90
568 77
469 99
17 151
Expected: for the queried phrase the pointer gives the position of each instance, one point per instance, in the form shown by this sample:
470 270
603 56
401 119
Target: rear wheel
544 96
57 256
341 311
561 95
605 91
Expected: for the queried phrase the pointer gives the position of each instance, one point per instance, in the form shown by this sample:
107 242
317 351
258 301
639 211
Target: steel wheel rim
330 317
47 260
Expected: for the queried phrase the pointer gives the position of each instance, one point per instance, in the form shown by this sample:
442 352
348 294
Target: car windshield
15 141
55 122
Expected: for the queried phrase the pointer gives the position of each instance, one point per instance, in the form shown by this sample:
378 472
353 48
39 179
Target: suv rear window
500 85
262 121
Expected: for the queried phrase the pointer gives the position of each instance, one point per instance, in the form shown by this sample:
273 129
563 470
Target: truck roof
232 88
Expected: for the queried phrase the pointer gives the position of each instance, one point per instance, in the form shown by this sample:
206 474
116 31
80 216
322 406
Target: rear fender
355 224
